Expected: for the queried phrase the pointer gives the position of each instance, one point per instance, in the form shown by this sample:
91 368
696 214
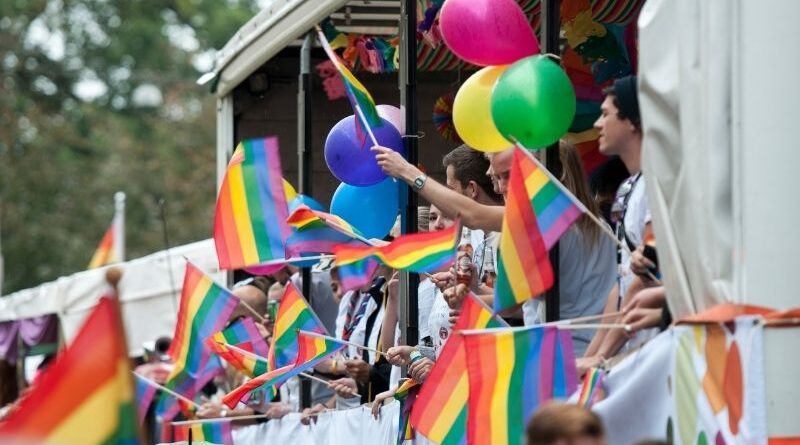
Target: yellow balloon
472 111
288 191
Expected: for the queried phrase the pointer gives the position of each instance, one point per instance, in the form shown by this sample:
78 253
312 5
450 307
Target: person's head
437 220
619 124
500 170
251 292
466 168
565 424
604 182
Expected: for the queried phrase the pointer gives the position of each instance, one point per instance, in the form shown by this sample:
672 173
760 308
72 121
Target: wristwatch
419 182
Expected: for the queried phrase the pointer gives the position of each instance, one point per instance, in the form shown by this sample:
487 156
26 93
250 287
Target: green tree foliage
98 96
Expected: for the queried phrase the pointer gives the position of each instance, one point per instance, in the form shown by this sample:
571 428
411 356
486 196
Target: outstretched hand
392 162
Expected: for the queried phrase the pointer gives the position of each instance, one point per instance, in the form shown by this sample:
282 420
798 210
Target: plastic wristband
415 355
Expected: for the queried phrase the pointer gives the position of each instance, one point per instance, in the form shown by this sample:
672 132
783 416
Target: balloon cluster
366 198
519 95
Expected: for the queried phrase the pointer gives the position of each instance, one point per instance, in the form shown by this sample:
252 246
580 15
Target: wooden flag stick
166 390
347 343
220 419
626 327
252 311
581 319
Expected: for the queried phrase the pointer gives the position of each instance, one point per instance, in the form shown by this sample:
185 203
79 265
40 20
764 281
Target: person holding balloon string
586 259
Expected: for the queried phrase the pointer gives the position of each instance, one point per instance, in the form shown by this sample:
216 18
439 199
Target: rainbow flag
314 240
108 250
204 310
250 215
406 394
208 432
538 212
304 218
294 314
416 252
592 387
357 94
440 410
145 393
86 396
313 348
511 372
358 274
244 335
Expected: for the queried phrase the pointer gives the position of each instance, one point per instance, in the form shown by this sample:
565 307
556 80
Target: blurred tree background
99 96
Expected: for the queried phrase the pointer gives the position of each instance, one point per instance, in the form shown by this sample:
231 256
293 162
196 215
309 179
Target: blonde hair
574 178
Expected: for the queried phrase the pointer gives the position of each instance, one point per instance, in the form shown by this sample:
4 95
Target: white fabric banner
697 385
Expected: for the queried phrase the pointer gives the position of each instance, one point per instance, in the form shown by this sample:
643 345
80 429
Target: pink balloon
487 32
394 115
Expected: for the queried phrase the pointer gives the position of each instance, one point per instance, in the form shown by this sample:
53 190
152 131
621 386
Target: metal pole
550 33
304 165
409 283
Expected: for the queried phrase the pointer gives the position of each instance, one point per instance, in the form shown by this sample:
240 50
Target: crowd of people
597 275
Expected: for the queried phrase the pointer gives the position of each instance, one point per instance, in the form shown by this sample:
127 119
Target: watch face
419 182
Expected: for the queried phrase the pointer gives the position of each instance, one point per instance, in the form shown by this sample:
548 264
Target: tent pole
409 283
304 166
549 36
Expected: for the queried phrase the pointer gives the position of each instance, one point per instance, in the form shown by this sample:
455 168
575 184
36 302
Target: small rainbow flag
314 240
416 252
108 250
244 335
208 432
440 411
204 310
294 314
304 218
270 378
511 372
358 274
592 387
313 347
250 215
406 394
87 395
538 212
145 393
357 94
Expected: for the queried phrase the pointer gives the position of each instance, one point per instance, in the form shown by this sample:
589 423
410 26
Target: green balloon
533 102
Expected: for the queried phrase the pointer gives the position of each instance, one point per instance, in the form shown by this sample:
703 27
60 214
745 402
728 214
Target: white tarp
149 291
718 94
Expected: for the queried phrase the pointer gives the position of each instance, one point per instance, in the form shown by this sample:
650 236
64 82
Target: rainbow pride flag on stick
204 310
358 274
511 372
294 314
538 212
245 337
205 432
440 410
250 215
144 398
423 252
362 102
86 396
312 348
592 387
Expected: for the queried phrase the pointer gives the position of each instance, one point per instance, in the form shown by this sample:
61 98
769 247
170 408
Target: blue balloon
305 200
372 209
348 154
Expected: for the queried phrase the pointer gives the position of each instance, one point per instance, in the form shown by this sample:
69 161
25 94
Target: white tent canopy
149 291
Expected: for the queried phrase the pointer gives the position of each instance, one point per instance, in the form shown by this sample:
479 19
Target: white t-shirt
637 215
586 275
439 322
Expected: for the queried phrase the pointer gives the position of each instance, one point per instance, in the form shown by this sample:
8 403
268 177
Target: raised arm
451 203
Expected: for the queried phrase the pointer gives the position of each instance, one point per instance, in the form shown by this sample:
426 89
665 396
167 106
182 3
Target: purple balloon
348 154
